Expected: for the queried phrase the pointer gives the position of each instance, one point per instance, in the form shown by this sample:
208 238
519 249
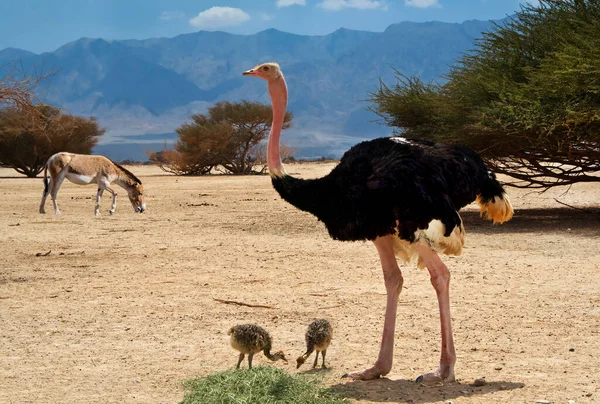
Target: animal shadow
316 371
386 390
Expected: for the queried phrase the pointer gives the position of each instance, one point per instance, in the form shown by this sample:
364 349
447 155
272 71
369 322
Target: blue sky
44 25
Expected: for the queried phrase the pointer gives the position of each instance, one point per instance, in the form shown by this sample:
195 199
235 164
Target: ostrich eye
266 68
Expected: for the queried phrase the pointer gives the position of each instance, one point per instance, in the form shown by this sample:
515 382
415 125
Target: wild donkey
82 169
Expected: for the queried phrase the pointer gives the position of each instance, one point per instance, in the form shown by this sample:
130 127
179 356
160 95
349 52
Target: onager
83 169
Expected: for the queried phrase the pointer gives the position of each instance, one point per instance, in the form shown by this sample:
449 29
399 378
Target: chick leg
240 360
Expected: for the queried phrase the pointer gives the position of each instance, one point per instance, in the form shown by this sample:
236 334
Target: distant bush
322 159
229 136
17 88
28 139
286 154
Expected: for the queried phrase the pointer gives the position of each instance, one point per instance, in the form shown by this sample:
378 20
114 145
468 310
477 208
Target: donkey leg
45 195
114 200
54 191
98 197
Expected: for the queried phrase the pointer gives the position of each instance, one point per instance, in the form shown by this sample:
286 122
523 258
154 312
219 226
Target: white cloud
266 16
171 15
422 3
336 5
287 3
219 17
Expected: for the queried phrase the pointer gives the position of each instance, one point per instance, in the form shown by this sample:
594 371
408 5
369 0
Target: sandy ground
122 308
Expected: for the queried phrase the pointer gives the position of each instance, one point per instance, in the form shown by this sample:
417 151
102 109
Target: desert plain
122 309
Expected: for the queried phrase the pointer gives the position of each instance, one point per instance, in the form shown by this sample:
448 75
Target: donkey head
136 197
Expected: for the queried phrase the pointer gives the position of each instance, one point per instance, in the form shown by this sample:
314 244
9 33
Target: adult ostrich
404 195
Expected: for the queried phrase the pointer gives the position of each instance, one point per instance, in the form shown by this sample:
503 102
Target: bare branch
244 304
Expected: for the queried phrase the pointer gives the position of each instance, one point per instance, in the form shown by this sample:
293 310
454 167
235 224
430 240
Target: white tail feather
432 236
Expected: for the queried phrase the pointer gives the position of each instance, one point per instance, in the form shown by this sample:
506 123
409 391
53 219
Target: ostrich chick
250 339
318 337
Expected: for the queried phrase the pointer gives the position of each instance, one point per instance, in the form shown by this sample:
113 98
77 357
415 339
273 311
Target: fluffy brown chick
318 337
250 339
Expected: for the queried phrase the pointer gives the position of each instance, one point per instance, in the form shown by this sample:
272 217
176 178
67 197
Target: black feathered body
394 186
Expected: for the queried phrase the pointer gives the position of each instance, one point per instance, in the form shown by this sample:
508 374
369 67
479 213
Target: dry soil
121 308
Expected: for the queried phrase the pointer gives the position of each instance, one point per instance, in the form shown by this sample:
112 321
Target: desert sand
122 309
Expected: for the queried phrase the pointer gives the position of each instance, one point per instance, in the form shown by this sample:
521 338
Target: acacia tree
527 97
227 136
17 88
28 139
198 149
260 155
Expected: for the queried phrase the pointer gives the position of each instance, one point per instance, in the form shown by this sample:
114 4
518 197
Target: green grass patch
261 385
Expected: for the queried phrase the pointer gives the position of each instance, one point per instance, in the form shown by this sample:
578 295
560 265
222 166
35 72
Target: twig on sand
262 306
575 207
330 307
43 254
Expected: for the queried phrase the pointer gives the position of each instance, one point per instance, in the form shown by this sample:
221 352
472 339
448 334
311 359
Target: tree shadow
553 220
386 390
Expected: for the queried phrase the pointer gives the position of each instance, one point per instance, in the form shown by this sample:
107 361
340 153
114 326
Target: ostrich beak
250 72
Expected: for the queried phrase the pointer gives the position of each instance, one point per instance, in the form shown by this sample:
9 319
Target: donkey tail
46 178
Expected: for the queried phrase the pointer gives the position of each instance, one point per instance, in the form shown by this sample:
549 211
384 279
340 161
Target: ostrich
404 195
250 339
318 337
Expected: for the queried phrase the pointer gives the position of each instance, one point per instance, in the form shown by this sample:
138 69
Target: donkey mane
129 173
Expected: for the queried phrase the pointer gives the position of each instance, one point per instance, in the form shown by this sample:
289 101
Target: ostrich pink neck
278 93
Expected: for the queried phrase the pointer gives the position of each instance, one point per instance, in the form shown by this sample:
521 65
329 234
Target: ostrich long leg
393 285
440 279
316 359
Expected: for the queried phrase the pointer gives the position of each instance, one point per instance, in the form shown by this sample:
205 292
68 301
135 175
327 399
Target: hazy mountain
137 87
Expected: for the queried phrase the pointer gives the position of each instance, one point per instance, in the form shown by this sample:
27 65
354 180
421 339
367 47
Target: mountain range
142 90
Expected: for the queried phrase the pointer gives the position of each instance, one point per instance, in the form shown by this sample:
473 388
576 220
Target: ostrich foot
443 374
371 373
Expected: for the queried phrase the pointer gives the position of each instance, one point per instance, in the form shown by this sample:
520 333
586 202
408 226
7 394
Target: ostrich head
267 71
279 355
